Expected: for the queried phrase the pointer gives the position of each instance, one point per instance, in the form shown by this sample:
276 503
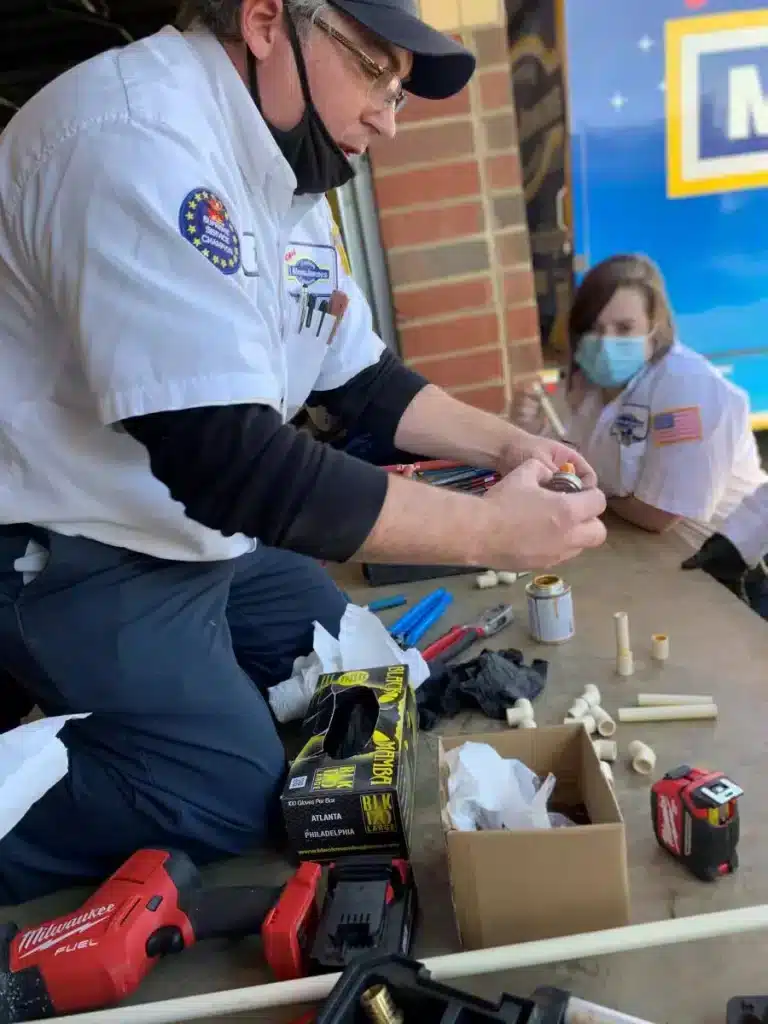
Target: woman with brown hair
667 434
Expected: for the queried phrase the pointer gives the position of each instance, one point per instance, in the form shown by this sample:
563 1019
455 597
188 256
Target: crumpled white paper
488 791
363 643
32 760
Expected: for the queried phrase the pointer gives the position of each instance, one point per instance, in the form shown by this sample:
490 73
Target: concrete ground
718 647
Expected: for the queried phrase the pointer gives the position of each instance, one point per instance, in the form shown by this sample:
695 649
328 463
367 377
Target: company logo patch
204 222
307 272
717 103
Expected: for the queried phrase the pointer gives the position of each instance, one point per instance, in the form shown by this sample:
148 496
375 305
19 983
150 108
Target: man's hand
553 454
533 528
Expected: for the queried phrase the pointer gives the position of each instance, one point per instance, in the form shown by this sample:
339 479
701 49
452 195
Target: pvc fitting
578 709
591 695
486 580
607 771
605 724
519 713
659 646
606 750
528 723
588 722
625 664
642 757
507 577
678 713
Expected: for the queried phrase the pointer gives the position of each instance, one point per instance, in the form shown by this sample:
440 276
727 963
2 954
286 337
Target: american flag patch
675 425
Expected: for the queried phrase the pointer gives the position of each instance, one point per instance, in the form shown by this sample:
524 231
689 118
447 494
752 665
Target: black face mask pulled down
316 160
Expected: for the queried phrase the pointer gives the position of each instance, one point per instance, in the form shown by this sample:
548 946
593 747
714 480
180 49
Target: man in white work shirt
735 556
168 284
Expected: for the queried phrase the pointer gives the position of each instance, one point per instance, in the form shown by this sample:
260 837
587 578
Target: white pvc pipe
606 750
591 695
660 646
658 700
558 429
605 725
621 623
456 965
678 713
625 663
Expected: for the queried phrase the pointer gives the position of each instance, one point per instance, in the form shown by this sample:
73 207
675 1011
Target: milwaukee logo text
36 939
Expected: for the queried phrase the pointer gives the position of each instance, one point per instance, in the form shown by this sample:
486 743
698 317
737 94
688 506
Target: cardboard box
363 802
516 886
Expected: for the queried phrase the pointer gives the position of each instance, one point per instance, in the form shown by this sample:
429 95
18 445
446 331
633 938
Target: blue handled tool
407 621
386 602
427 622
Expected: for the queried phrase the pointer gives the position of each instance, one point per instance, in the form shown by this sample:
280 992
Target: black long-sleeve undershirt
240 469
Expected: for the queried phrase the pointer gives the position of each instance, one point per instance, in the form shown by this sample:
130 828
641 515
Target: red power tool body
95 956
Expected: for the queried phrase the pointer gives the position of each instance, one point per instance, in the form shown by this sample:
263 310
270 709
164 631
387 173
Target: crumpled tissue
32 760
363 643
488 791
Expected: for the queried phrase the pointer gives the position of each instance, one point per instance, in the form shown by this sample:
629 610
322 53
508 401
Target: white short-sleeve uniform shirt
747 527
677 438
153 257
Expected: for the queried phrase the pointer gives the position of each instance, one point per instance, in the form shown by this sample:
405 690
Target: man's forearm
442 427
419 524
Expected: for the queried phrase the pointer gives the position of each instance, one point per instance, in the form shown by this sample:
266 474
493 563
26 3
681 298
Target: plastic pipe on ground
591 695
607 771
606 750
605 724
625 663
621 624
456 965
678 713
579 1012
509 578
660 646
659 700
643 758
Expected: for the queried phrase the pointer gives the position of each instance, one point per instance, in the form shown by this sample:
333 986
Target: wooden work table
719 647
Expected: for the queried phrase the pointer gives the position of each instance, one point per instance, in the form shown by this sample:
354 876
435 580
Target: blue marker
407 621
427 622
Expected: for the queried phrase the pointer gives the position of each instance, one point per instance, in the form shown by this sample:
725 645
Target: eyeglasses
387 86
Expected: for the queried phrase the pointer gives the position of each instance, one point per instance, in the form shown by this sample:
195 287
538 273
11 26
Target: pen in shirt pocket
337 307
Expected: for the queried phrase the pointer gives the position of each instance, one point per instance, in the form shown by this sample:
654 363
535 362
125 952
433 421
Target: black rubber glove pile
491 683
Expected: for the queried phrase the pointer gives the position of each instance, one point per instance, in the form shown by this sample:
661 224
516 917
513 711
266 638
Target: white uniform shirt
747 527
677 438
151 248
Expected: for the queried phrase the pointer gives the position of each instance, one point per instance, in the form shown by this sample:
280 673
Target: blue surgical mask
611 362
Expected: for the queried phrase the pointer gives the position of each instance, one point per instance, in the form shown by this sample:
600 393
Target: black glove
722 561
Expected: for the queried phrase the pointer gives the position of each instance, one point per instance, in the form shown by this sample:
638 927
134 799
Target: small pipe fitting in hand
642 757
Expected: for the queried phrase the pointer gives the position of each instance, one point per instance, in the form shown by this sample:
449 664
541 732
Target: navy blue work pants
173 660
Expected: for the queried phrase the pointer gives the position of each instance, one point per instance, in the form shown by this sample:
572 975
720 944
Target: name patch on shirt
205 223
673 426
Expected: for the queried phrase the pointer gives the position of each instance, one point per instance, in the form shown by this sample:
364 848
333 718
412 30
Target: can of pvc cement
565 480
550 610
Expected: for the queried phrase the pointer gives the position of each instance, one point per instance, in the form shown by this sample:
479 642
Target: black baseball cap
441 66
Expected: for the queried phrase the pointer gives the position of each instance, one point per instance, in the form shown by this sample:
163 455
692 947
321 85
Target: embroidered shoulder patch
204 222
673 426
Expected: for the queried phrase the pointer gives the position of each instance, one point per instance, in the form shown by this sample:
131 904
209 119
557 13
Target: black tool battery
369 909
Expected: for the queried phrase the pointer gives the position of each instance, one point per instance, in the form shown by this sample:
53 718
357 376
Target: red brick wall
453 224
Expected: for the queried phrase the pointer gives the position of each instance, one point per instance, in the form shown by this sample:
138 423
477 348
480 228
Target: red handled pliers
459 639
